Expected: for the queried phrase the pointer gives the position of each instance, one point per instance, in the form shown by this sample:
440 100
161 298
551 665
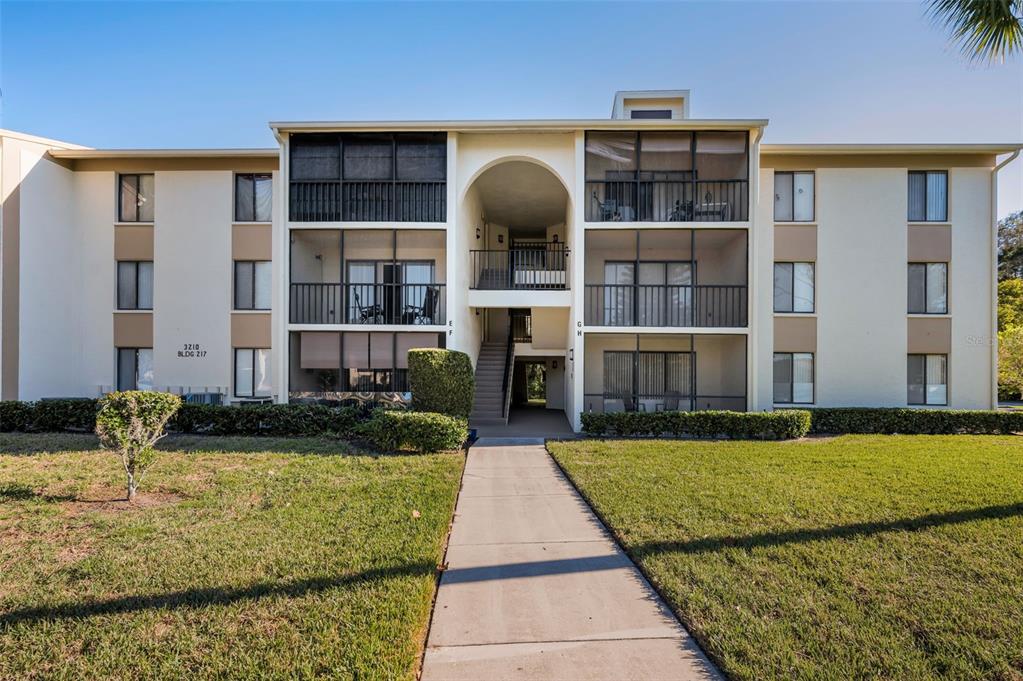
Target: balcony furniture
366 314
424 313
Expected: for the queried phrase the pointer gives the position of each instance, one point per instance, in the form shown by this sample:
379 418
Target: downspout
994 278
752 298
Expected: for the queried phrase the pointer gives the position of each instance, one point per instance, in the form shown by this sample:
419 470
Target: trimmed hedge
72 414
391 430
889 421
776 425
441 381
280 420
276 420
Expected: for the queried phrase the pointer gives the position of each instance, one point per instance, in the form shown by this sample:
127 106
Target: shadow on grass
27 444
18 492
852 531
201 598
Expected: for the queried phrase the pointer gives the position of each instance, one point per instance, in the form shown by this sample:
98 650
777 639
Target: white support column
456 295
281 276
752 274
576 318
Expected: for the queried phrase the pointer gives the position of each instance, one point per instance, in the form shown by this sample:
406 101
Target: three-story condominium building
646 262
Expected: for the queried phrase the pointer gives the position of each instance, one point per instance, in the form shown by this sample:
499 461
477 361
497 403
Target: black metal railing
367 201
542 267
633 402
659 305
667 200
368 304
522 328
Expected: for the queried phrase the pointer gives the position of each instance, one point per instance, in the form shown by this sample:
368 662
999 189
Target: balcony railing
667 201
522 328
542 267
659 305
367 201
409 304
609 402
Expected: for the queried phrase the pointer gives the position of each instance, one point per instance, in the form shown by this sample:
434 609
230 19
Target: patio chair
425 313
671 400
365 314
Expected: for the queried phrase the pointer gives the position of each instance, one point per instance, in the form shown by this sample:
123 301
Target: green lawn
850 557
243 557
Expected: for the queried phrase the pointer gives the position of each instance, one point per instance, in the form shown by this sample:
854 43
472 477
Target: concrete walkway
536 589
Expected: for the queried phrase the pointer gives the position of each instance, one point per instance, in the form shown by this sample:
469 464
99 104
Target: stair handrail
509 363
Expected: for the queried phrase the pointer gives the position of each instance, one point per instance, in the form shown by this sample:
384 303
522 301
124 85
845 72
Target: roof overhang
854 149
272 152
513 126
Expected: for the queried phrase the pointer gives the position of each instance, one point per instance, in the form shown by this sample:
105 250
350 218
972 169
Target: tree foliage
1010 246
986 30
131 423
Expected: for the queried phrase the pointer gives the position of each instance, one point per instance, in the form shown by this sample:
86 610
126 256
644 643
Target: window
928 196
252 285
928 288
793 196
252 372
793 378
927 379
658 378
136 198
134 368
253 197
793 286
134 285
645 114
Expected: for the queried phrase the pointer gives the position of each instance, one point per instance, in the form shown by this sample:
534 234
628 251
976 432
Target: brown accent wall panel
930 243
133 242
251 242
929 335
250 330
795 334
795 243
133 329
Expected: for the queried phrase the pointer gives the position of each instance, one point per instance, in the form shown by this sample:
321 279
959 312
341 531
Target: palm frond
986 30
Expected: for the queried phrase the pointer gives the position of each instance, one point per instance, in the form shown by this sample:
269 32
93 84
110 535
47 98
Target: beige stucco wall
864 241
193 280
549 324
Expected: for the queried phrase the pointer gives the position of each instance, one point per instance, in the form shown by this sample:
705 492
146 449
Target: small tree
131 423
1010 362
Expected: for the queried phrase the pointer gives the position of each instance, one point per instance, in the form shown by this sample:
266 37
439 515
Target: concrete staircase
489 405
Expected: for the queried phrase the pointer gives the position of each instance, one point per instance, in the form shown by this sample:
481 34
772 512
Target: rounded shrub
441 381
390 430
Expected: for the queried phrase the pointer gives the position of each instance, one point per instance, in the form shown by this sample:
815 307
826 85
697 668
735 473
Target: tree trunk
132 486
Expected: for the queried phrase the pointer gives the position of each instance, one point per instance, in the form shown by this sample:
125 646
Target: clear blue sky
214 74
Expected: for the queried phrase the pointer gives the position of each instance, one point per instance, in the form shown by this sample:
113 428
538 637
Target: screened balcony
528 264
368 177
667 176
331 367
369 277
666 278
651 372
